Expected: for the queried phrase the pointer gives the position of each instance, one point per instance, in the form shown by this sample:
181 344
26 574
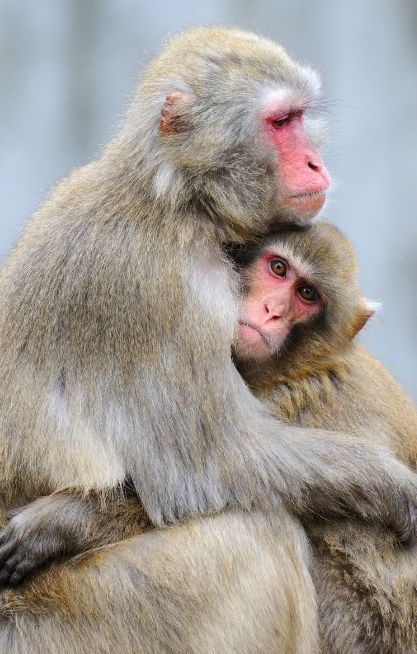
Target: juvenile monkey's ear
366 309
170 121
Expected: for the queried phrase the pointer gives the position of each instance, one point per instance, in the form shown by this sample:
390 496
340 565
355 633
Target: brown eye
280 122
308 293
278 267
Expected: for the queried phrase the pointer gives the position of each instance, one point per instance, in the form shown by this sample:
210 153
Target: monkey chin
251 345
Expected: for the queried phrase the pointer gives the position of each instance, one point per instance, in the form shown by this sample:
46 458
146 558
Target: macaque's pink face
278 297
302 176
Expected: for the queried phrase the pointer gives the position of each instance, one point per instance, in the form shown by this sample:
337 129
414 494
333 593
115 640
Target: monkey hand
361 481
59 525
393 501
402 507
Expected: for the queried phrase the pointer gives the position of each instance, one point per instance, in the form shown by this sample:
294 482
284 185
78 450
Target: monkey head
301 298
220 122
278 297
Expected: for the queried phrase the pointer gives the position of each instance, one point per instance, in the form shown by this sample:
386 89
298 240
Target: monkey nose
273 312
315 163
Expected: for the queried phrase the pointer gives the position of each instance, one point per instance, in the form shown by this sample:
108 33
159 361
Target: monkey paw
26 544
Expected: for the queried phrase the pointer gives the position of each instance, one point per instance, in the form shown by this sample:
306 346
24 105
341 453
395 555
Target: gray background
67 68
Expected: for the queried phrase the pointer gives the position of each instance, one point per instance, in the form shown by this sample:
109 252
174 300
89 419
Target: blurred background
67 68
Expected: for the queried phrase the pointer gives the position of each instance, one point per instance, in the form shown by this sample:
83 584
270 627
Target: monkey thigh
366 588
230 583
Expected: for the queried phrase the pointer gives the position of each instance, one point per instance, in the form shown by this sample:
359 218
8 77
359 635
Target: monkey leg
229 583
367 590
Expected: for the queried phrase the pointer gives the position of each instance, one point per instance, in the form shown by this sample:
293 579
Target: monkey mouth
307 197
307 203
269 342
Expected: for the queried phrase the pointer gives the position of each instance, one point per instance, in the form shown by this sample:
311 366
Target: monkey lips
311 202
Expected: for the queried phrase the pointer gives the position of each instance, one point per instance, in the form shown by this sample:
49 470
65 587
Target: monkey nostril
272 315
313 166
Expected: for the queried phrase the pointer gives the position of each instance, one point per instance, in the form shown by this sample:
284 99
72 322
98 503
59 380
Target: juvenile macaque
295 347
118 308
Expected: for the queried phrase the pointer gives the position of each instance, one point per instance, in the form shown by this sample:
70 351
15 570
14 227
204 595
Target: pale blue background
67 68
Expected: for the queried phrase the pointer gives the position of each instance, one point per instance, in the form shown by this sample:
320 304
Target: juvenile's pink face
278 297
303 178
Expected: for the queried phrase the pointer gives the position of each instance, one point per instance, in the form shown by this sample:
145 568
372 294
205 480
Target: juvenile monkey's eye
278 267
279 122
308 293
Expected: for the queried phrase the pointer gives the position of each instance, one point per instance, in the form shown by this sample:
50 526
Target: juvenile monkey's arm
65 524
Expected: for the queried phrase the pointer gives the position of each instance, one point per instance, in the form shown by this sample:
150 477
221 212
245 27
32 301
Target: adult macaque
119 307
295 347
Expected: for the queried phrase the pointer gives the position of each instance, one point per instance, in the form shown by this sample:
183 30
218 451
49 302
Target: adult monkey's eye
279 122
278 267
308 293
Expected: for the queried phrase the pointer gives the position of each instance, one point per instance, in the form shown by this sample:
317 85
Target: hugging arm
358 480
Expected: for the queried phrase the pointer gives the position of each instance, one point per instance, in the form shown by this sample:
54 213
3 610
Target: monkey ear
170 113
366 310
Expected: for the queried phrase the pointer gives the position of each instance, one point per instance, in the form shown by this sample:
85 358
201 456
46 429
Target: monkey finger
6 550
406 529
6 534
22 570
8 569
